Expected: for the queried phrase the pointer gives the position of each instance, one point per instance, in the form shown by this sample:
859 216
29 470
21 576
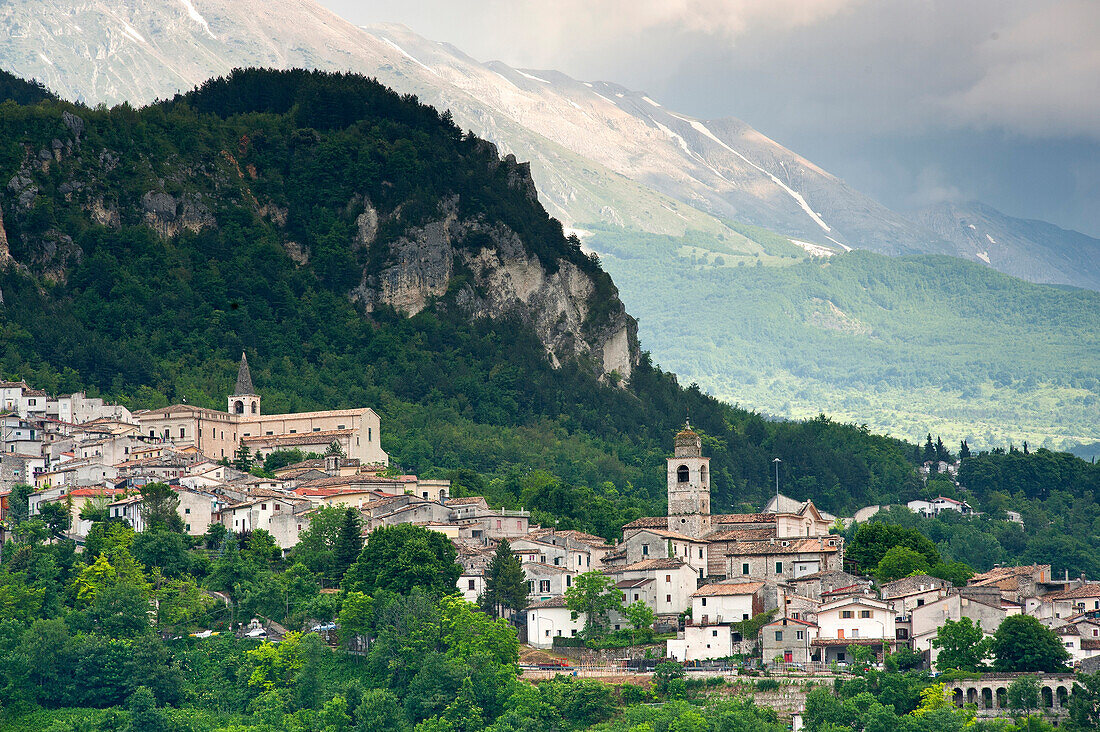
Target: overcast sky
911 101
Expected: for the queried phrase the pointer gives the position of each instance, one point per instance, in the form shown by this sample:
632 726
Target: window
277 506
574 633
269 432
840 634
668 578
498 523
744 616
263 506
779 567
617 626
530 585
568 581
544 585
682 474
645 550
557 561
799 635
668 598
714 633
846 613
182 432
920 602
700 553
471 584
293 432
315 429
340 427
855 632
745 568
704 602
187 510
547 633
368 434
187 527
778 635
840 656
636 599
864 613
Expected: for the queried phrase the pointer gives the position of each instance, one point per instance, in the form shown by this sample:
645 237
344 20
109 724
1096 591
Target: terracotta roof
726 589
630 584
788 621
729 535
1090 644
646 564
647 522
552 602
1091 589
664 533
743 518
470 500
794 546
301 438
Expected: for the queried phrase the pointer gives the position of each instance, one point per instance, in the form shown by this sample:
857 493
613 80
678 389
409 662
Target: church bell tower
689 486
244 401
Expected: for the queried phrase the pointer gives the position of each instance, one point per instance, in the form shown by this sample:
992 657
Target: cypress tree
349 542
505 583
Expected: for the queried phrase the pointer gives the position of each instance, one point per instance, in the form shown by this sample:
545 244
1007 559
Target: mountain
908 345
600 153
1033 250
365 252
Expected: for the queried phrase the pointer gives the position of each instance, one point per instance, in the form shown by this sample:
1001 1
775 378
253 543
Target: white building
982 609
549 619
939 504
672 582
714 609
860 620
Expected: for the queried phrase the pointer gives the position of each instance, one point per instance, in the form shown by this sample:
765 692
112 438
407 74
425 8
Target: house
285 518
938 505
547 580
471 583
219 434
1020 583
715 608
911 592
981 605
672 583
1065 604
588 550
817 584
781 559
789 640
854 620
642 544
198 509
17 468
1081 636
549 619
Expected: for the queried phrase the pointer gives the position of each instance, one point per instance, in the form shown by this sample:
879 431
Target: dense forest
111 305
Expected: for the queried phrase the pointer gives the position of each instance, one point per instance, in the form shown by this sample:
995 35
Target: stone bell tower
689 486
244 401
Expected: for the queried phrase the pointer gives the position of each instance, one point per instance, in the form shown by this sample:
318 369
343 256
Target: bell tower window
682 474
238 407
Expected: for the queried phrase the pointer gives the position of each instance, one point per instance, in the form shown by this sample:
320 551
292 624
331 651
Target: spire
244 378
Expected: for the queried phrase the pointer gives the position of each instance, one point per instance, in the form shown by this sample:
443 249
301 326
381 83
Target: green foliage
593 595
1023 644
873 540
349 541
900 561
505 582
1084 702
963 646
401 558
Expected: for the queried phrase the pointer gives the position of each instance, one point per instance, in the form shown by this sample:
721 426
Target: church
219 434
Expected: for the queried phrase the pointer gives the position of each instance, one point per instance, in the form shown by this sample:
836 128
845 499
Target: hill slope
363 252
907 345
1033 250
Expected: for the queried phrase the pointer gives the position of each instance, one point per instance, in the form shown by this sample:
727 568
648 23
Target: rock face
5 252
168 215
504 280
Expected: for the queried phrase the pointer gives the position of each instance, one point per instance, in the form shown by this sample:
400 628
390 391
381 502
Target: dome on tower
688 443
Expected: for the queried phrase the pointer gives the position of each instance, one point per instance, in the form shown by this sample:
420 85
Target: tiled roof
552 602
1091 589
630 584
727 589
729 535
647 522
794 546
743 518
665 534
646 564
302 438
471 500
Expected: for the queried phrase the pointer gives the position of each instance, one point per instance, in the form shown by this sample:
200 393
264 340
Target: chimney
332 464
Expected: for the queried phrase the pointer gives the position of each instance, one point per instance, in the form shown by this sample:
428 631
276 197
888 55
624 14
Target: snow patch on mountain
532 77
984 256
195 16
410 57
655 104
130 31
814 250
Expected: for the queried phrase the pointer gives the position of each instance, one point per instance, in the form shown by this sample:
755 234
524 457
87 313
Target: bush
767 685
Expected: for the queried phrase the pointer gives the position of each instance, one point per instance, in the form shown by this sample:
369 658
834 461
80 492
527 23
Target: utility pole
777 461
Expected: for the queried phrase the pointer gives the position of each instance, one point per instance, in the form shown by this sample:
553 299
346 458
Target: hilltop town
704 577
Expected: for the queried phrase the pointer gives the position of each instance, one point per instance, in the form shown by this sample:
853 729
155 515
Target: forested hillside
908 345
257 249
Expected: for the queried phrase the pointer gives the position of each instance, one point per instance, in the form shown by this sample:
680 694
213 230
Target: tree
942 453
56 517
402 557
1023 644
593 594
1023 695
144 715
163 549
929 453
19 503
160 507
962 645
356 617
964 450
242 458
349 541
640 617
898 562
1084 702
872 540
121 610
334 449
505 582
957 573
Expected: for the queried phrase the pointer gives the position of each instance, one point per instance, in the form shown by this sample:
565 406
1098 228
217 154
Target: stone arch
987 698
1048 697
957 697
1001 697
1062 695
703 475
254 407
682 474
238 407
971 695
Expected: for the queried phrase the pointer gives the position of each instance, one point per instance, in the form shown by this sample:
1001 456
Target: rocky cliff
485 248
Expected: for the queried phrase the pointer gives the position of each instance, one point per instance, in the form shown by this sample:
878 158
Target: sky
911 101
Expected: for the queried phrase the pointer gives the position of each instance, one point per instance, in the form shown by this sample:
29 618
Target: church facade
219 434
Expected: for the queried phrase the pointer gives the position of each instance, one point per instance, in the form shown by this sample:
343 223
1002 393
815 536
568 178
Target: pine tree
929 450
942 453
505 583
242 459
349 542
964 450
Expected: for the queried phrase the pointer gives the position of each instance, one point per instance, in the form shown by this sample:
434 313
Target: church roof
244 379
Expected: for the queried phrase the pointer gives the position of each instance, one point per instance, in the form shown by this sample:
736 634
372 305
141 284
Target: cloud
1039 76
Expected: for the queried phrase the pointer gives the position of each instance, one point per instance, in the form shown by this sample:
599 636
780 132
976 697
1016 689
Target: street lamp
777 461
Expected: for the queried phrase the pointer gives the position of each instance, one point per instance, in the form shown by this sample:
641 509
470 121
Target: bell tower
244 401
689 486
